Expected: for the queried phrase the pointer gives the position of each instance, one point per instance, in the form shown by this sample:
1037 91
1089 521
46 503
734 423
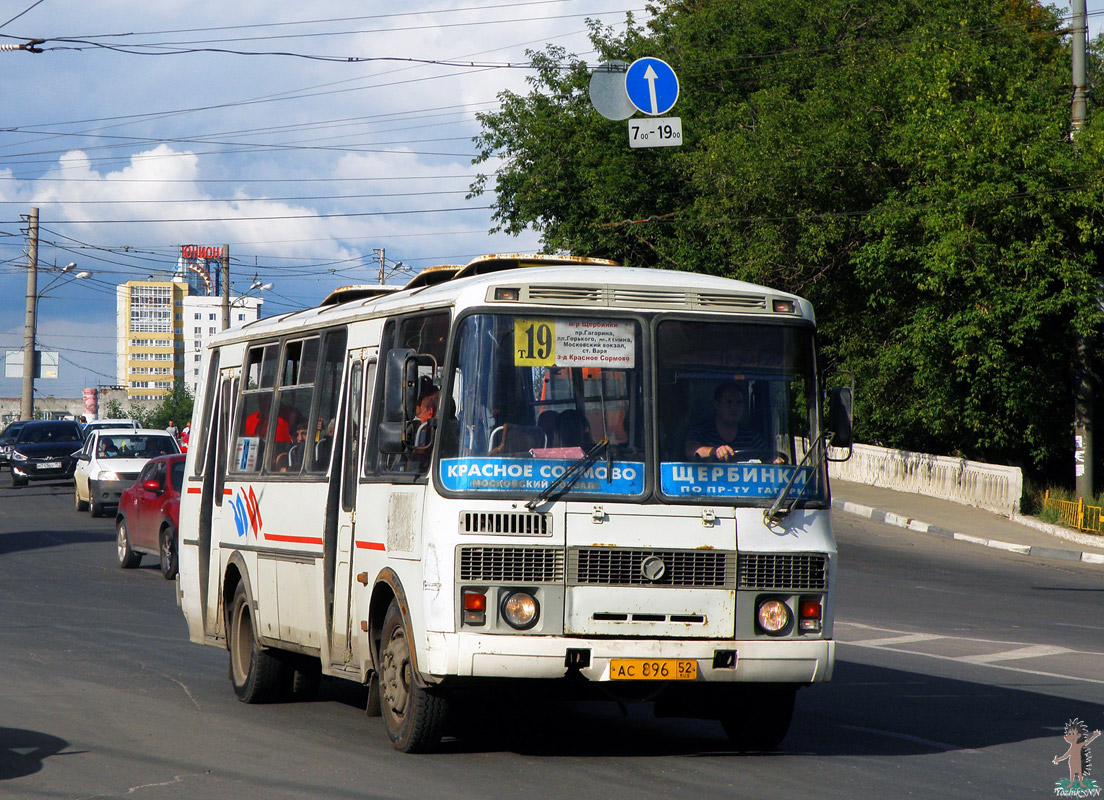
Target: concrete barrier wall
974 483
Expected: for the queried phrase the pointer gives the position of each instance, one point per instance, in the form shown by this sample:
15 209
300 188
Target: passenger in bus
547 423
256 424
720 438
572 430
428 396
298 449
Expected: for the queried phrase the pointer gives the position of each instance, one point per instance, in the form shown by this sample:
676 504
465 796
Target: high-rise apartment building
160 332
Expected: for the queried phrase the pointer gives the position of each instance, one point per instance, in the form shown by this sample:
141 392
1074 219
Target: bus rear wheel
413 715
257 673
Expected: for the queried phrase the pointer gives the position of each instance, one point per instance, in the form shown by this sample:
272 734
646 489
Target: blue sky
305 163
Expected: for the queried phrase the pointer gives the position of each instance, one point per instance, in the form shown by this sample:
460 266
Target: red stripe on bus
275 537
195 490
227 492
370 545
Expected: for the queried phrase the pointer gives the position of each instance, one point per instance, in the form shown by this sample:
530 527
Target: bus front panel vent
505 523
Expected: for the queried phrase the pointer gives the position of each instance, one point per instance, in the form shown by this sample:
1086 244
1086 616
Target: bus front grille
608 566
511 564
801 571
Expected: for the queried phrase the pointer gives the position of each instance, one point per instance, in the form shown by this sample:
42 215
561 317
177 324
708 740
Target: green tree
113 409
177 407
904 164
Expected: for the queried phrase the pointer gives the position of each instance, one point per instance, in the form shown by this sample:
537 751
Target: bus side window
293 436
328 384
254 409
426 334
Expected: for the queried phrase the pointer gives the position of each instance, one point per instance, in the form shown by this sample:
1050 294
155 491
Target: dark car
149 515
44 450
8 437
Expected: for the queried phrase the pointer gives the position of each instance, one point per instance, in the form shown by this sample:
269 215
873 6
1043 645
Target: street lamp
30 332
256 286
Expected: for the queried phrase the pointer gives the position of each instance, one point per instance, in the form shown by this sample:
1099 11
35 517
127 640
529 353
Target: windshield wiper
569 476
775 513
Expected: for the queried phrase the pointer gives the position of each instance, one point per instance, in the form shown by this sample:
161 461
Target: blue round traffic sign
651 85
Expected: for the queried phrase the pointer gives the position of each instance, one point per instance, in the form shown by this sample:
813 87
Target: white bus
528 468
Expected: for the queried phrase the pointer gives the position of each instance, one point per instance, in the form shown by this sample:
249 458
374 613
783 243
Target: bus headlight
520 610
773 616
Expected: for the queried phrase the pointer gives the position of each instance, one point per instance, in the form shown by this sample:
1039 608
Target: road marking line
1032 651
909 738
905 639
1018 647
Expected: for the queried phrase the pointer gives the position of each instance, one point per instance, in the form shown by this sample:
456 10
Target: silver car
110 461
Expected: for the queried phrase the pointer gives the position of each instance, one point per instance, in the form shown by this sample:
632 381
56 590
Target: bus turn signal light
809 615
475 607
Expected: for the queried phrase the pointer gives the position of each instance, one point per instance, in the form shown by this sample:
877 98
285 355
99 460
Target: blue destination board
535 475
731 480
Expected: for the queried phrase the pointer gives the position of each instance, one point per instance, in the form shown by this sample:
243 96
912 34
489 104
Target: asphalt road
957 670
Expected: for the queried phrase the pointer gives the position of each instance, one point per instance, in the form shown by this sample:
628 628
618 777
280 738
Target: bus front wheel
257 673
760 718
413 715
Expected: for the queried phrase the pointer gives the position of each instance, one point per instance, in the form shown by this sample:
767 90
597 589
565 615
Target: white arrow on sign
650 76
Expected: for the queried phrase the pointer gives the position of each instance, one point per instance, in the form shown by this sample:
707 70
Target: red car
149 515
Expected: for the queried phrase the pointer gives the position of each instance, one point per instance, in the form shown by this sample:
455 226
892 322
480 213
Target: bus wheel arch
257 673
413 713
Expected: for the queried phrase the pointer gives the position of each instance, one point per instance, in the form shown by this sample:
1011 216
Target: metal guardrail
1079 515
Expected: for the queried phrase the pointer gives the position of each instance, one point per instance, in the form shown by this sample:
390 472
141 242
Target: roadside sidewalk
924 514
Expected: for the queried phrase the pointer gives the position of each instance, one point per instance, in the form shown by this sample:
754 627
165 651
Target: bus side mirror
395 392
839 416
398 399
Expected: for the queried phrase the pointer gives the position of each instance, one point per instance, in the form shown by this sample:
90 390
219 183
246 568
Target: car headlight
106 475
773 616
520 610
18 456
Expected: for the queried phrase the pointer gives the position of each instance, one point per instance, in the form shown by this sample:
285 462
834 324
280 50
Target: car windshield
737 409
49 432
139 446
529 396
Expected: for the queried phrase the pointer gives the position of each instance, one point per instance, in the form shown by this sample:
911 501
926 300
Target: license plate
653 669
50 465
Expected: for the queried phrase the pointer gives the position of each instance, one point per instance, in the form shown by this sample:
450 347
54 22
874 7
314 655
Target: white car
99 424
110 461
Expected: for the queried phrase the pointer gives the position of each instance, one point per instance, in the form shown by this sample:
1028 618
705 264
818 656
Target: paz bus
483 479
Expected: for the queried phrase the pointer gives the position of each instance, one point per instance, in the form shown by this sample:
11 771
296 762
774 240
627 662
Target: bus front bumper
797 661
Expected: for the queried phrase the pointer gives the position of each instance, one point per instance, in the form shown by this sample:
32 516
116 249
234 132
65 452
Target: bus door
213 501
344 475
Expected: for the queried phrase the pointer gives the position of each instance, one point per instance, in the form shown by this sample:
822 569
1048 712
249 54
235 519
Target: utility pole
225 286
26 406
380 251
1082 379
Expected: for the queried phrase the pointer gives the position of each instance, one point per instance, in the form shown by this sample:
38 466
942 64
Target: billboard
46 364
200 266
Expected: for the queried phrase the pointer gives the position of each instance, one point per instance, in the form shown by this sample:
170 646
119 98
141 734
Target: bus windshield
737 409
531 395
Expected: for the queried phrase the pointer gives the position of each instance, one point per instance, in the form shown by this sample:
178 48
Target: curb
888 517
